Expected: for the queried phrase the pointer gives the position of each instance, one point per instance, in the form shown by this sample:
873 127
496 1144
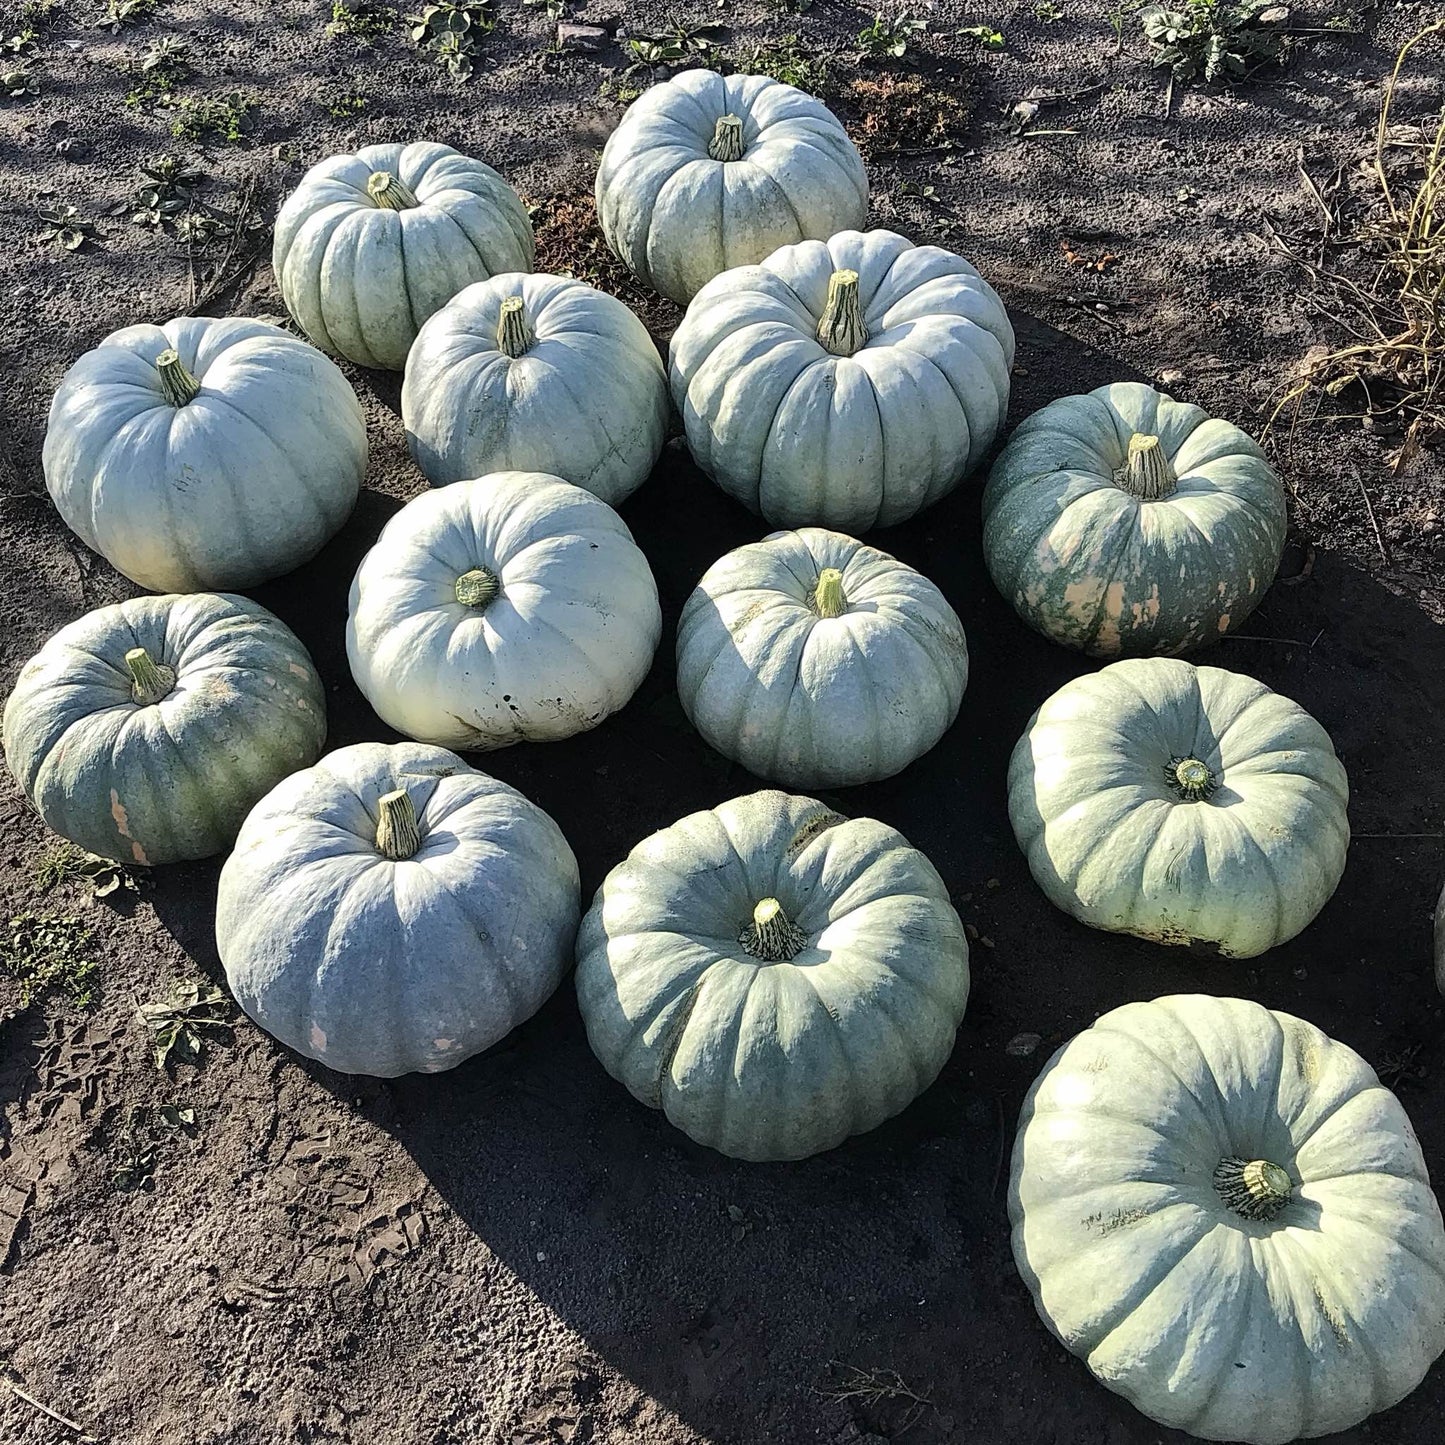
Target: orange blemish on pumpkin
298 670
1081 597
122 826
318 1037
1148 609
1224 622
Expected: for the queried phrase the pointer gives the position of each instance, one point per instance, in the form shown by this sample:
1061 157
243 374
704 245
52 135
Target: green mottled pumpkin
1124 522
772 976
145 731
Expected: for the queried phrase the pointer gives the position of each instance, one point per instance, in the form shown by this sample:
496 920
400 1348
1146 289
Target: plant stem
727 139
150 680
397 834
478 588
1146 473
178 384
841 330
828 596
514 336
389 192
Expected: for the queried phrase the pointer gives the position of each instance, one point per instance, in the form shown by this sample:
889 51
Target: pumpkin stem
178 384
397 834
828 596
727 139
1254 1188
841 330
478 588
1190 779
514 336
389 192
150 680
770 935
1147 472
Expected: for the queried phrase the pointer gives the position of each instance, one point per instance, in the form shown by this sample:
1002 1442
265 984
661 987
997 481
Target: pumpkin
512 608
772 976
707 172
1124 521
1224 1213
146 730
1180 804
204 454
846 384
369 245
536 374
416 910
815 661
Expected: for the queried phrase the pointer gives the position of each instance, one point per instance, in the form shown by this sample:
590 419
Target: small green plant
787 60
121 13
67 228
1116 24
676 45
342 103
887 38
18 80
49 953
1210 41
553 9
133 1152
165 65
454 32
361 19
69 865
986 35
181 1026
167 193
1049 11
223 117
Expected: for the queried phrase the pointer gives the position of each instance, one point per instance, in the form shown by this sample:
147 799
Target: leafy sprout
67 228
888 37
1211 41
181 1026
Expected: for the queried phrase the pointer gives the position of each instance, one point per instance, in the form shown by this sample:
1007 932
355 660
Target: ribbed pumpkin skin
565 644
773 1060
677 217
1112 842
818 702
371 966
1095 568
244 483
1263 1331
809 438
361 279
587 401
173 780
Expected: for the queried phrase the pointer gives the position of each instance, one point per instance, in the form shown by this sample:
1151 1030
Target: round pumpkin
369 245
846 384
707 172
772 976
204 454
416 910
1180 804
815 661
536 374
1224 1213
513 608
146 730
1125 522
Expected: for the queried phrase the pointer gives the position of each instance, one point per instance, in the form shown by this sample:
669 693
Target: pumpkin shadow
738 1295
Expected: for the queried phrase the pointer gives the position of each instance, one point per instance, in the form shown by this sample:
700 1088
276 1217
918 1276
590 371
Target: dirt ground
516 1251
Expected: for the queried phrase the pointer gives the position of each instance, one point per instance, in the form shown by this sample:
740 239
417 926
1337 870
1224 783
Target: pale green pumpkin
1123 522
846 383
710 171
816 661
1224 1213
205 453
772 976
369 245
1181 804
146 730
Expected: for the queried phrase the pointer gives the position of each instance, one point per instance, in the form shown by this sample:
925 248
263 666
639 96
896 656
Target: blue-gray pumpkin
416 911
